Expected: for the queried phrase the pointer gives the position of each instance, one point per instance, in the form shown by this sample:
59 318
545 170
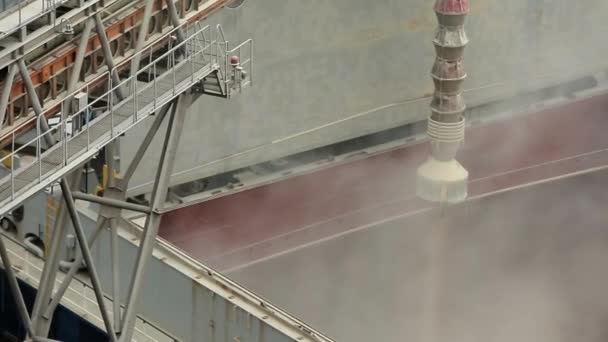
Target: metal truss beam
111 212
111 202
27 80
14 286
161 186
48 314
49 271
50 267
141 38
107 54
143 147
32 41
115 273
82 47
88 259
42 312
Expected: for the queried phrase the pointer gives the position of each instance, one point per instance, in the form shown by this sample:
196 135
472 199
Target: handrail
38 117
196 49
220 29
53 107
52 5
121 64
149 47
123 82
107 74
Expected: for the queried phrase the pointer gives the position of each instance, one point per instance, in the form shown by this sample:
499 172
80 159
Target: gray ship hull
330 71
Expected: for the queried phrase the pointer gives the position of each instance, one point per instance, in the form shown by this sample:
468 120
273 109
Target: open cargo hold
351 251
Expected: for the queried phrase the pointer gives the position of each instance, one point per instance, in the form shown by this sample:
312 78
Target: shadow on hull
67 326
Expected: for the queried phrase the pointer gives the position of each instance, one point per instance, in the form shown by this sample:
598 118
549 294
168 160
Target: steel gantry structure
159 74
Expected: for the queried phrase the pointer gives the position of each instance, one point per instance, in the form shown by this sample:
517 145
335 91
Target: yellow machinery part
8 161
104 180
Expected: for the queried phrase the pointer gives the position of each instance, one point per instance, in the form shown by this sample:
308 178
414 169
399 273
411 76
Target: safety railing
26 12
238 75
77 137
160 41
177 69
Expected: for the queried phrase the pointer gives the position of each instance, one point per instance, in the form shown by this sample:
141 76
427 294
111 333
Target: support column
49 271
43 312
82 48
107 54
29 86
143 147
175 20
159 194
111 202
114 240
141 38
112 167
48 314
14 286
51 265
86 253
6 91
36 106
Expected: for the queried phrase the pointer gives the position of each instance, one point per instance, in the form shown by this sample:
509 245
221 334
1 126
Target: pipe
32 247
111 202
441 178
65 265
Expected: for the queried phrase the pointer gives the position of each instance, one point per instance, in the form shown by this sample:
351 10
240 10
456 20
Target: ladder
185 66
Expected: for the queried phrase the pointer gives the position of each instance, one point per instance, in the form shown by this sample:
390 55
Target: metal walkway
79 137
